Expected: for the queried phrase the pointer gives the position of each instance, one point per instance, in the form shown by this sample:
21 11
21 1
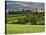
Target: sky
25 5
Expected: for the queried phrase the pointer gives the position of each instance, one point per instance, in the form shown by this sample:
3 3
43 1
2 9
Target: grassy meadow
18 28
15 24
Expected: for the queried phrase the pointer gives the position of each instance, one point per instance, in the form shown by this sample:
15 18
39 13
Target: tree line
34 18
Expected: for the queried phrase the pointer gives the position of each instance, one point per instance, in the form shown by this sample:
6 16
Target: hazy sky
25 5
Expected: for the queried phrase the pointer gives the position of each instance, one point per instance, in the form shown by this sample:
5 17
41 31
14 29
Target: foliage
33 18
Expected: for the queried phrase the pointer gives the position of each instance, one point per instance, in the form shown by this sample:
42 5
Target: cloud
14 2
24 5
19 3
9 3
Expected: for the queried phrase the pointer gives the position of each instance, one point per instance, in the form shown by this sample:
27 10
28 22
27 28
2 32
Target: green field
20 28
17 28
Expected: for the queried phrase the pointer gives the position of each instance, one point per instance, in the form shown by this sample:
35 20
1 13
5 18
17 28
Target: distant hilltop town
33 10
38 10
